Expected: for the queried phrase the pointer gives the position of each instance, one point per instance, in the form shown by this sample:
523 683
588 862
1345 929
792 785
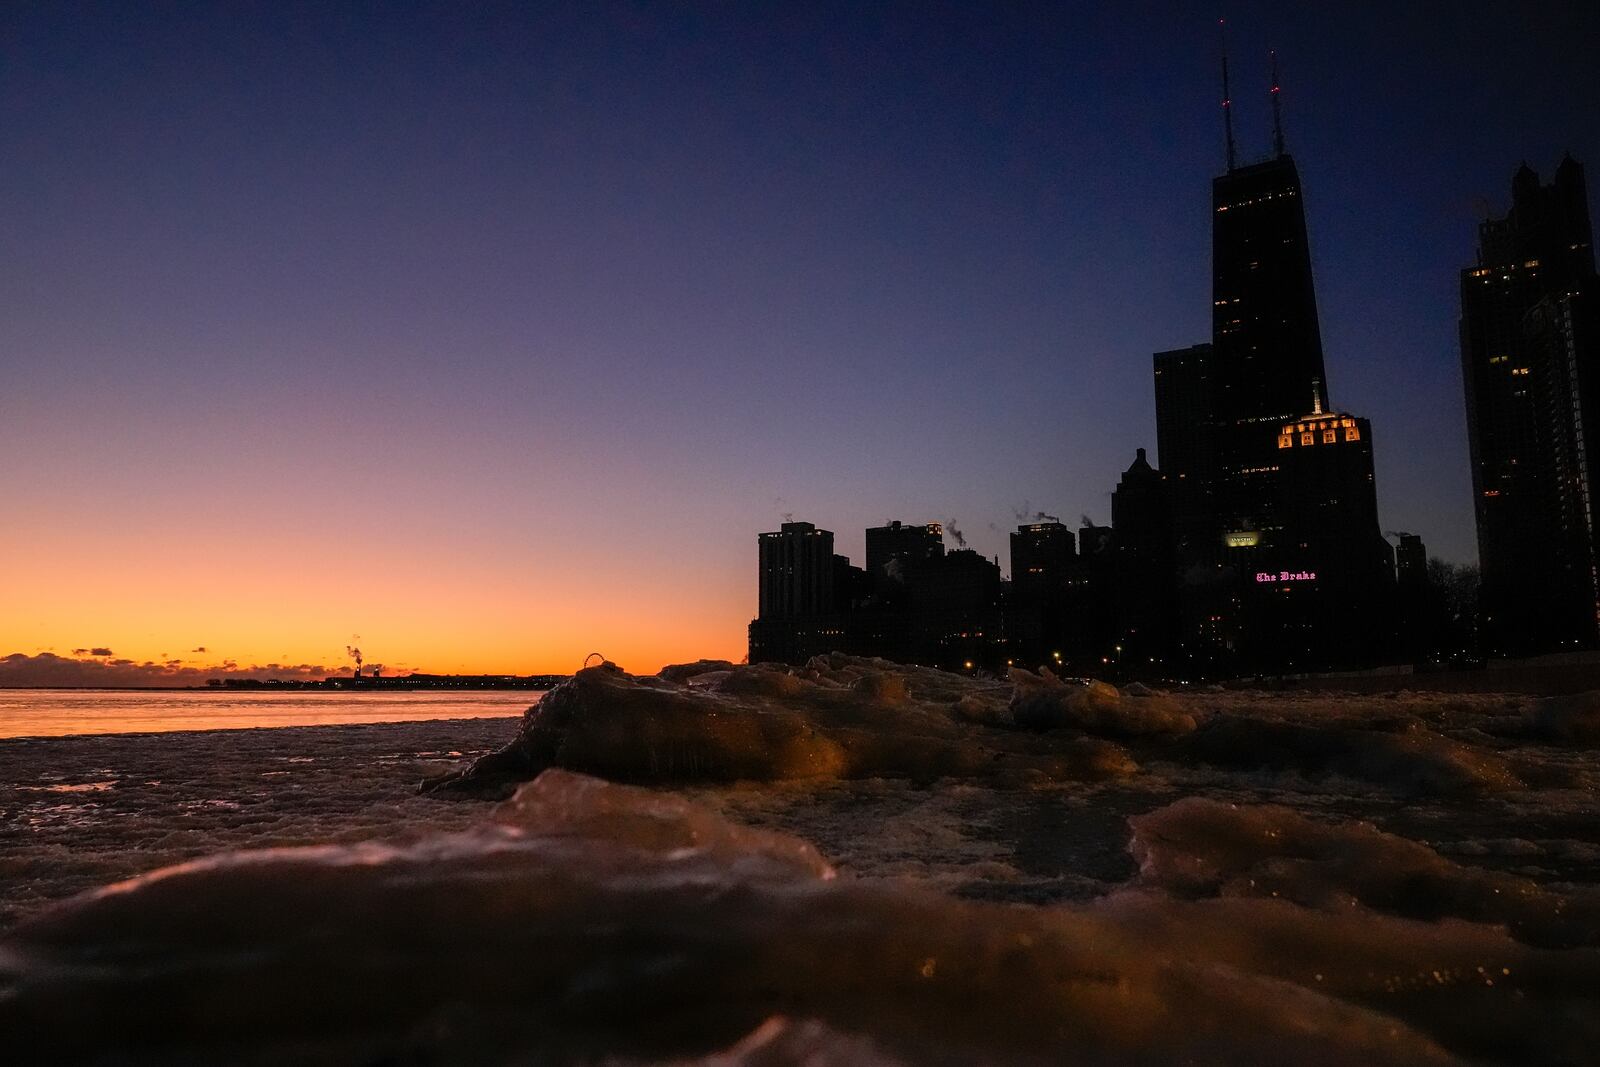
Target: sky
484 337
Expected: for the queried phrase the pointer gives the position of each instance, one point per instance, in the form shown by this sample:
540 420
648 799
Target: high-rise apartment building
1530 359
803 589
1146 607
1410 562
908 543
1041 557
797 572
1043 575
1186 438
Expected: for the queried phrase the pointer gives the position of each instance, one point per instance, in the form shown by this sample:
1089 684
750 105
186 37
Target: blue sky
572 300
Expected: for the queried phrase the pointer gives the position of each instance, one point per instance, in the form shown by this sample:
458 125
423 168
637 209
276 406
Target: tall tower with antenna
1263 303
1227 96
1277 109
1275 507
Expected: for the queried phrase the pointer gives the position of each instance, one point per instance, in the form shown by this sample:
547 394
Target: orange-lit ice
1395 880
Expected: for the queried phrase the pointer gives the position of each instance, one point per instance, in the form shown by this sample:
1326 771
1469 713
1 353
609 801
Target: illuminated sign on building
1286 576
1241 539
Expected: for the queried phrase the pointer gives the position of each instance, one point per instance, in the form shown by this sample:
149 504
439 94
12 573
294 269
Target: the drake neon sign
1286 576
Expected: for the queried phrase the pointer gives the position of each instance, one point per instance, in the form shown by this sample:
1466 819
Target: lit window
1330 436
1308 438
1285 441
1352 434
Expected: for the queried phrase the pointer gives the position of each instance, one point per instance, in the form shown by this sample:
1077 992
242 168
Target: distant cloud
49 669
202 648
101 652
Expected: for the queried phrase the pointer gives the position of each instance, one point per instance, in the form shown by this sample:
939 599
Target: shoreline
39 713
309 687
131 734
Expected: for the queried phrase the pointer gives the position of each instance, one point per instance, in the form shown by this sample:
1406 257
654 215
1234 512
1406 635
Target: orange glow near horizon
163 594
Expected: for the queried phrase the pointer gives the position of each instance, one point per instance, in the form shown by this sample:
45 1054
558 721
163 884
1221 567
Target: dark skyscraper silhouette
1529 354
1280 560
1263 304
917 604
906 543
799 594
1042 554
1410 562
1186 438
796 571
1044 577
1146 607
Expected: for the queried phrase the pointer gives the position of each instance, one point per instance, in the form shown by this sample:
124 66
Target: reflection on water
79 812
59 712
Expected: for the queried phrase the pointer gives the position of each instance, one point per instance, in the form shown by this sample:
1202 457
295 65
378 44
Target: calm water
59 712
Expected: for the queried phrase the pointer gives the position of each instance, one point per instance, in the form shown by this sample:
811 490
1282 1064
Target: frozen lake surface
902 874
60 712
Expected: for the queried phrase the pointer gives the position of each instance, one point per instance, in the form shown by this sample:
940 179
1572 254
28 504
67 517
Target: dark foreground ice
858 864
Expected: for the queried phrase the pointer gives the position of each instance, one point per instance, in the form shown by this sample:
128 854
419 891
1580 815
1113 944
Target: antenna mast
1227 97
1277 108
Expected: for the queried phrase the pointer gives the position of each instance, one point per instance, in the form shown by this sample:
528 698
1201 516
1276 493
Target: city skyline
495 339
1255 549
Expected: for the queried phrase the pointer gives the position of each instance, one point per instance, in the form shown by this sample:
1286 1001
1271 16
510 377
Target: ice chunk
602 939
1043 702
839 717
1403 754
1470 987
562 804
1570 719
1204 847
780 1042
682 672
